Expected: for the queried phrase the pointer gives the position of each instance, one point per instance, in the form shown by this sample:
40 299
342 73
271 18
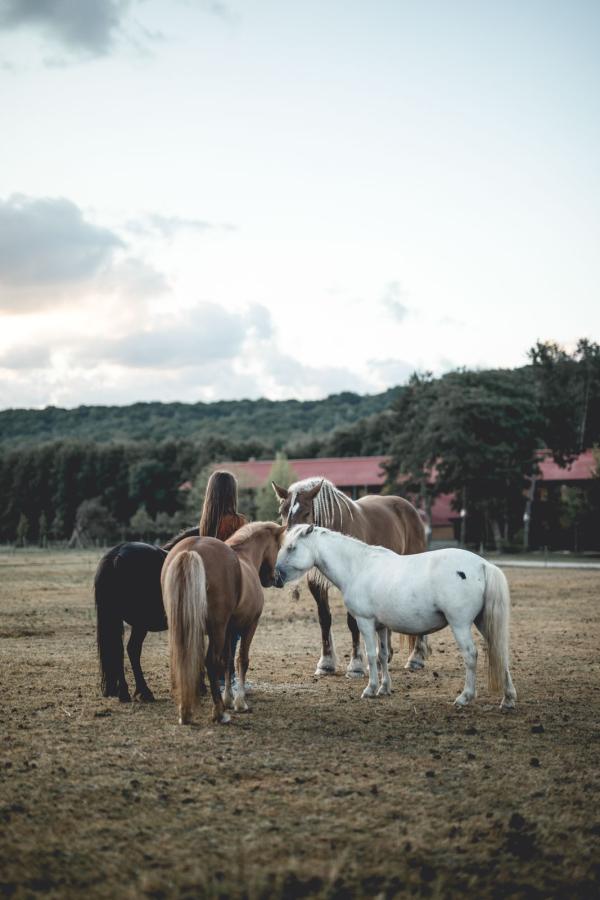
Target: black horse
127 589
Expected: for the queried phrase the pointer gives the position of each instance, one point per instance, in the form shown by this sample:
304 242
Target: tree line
475 434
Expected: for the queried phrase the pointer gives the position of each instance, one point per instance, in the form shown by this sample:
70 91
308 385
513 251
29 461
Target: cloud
50 253
87 26
157 225
26 357
390 372
392 301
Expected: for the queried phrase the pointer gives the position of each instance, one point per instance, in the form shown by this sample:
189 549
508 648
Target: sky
204 200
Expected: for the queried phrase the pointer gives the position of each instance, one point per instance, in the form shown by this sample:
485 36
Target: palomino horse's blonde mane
326 503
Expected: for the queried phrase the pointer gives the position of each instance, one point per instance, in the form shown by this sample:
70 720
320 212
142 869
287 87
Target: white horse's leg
464 639
356 666
386 681
367 629
420 652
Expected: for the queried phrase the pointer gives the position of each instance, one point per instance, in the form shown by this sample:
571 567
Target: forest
102 474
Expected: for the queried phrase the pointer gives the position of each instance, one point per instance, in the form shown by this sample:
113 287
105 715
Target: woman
220 519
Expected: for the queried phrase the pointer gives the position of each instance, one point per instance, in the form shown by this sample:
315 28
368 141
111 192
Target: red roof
344 472
366 471
581 469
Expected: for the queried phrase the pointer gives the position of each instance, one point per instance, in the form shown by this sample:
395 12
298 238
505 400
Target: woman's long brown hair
220 500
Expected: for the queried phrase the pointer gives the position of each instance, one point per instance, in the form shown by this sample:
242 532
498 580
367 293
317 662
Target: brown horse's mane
244 533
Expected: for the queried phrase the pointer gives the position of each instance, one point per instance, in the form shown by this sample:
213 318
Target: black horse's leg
328 660
134 651
356 666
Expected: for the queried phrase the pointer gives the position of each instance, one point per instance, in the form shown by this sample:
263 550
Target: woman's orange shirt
229 524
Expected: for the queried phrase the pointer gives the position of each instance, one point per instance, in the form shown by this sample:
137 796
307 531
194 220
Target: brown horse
389 522
212 590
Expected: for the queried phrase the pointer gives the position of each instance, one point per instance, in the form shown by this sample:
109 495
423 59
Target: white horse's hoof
462 700
384 691
325 666
368 694
415 665
507 705
241 706
225 719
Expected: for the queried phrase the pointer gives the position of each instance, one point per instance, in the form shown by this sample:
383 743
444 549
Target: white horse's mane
325 503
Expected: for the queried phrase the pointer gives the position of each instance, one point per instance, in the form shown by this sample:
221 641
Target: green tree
43 530
267 504
142 524
474 435
93 524
22 530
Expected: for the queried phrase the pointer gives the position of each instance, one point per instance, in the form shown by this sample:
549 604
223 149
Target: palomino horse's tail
109 625
496 617
184 594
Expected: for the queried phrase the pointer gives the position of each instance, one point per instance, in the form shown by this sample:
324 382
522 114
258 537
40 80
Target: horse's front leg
356 666
384 643
328 662
419 645
134 651
367 629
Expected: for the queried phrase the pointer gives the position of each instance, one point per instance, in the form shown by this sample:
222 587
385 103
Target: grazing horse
127 589
390 522
212 590
411 594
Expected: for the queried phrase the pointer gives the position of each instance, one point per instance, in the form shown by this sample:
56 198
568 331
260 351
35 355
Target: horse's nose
279 578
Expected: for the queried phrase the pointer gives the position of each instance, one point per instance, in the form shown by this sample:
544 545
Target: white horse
414 594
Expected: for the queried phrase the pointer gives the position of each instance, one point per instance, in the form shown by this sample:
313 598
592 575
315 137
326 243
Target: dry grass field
315 792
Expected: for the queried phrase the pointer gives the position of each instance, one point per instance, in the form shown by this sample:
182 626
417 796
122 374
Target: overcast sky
203 200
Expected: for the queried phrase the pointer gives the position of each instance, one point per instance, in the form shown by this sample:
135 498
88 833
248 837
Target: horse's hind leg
327 663
134 651
419 646
466 644
356 666
243 660
215 666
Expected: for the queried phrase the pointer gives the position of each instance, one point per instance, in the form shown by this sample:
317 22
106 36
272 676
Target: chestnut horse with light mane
212 590
384 521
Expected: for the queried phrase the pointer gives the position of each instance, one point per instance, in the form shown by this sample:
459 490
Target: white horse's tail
184 593
496 618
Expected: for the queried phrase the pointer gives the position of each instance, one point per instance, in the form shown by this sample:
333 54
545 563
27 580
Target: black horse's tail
109 624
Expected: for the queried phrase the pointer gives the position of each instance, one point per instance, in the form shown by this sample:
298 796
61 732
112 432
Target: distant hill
275 422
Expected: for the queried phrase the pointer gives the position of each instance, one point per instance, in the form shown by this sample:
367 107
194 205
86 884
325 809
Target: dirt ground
315 792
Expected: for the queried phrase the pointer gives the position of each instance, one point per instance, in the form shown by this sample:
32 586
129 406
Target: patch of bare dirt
315 792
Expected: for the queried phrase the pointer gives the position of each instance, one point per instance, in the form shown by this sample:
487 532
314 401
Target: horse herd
205 591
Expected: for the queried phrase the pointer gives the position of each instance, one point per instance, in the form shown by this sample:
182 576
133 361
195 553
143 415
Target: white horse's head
296 556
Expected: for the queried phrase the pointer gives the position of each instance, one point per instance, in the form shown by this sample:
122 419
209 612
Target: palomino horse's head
296 505
267 574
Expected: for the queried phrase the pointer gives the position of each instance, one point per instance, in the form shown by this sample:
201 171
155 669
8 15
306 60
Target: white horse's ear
281 492
309 530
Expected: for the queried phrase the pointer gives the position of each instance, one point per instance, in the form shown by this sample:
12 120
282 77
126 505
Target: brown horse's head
296 506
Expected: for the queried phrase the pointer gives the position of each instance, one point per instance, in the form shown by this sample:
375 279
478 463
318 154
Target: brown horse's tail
184 594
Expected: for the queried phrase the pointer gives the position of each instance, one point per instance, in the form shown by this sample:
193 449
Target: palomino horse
213 589
390 522
127 589
411 594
